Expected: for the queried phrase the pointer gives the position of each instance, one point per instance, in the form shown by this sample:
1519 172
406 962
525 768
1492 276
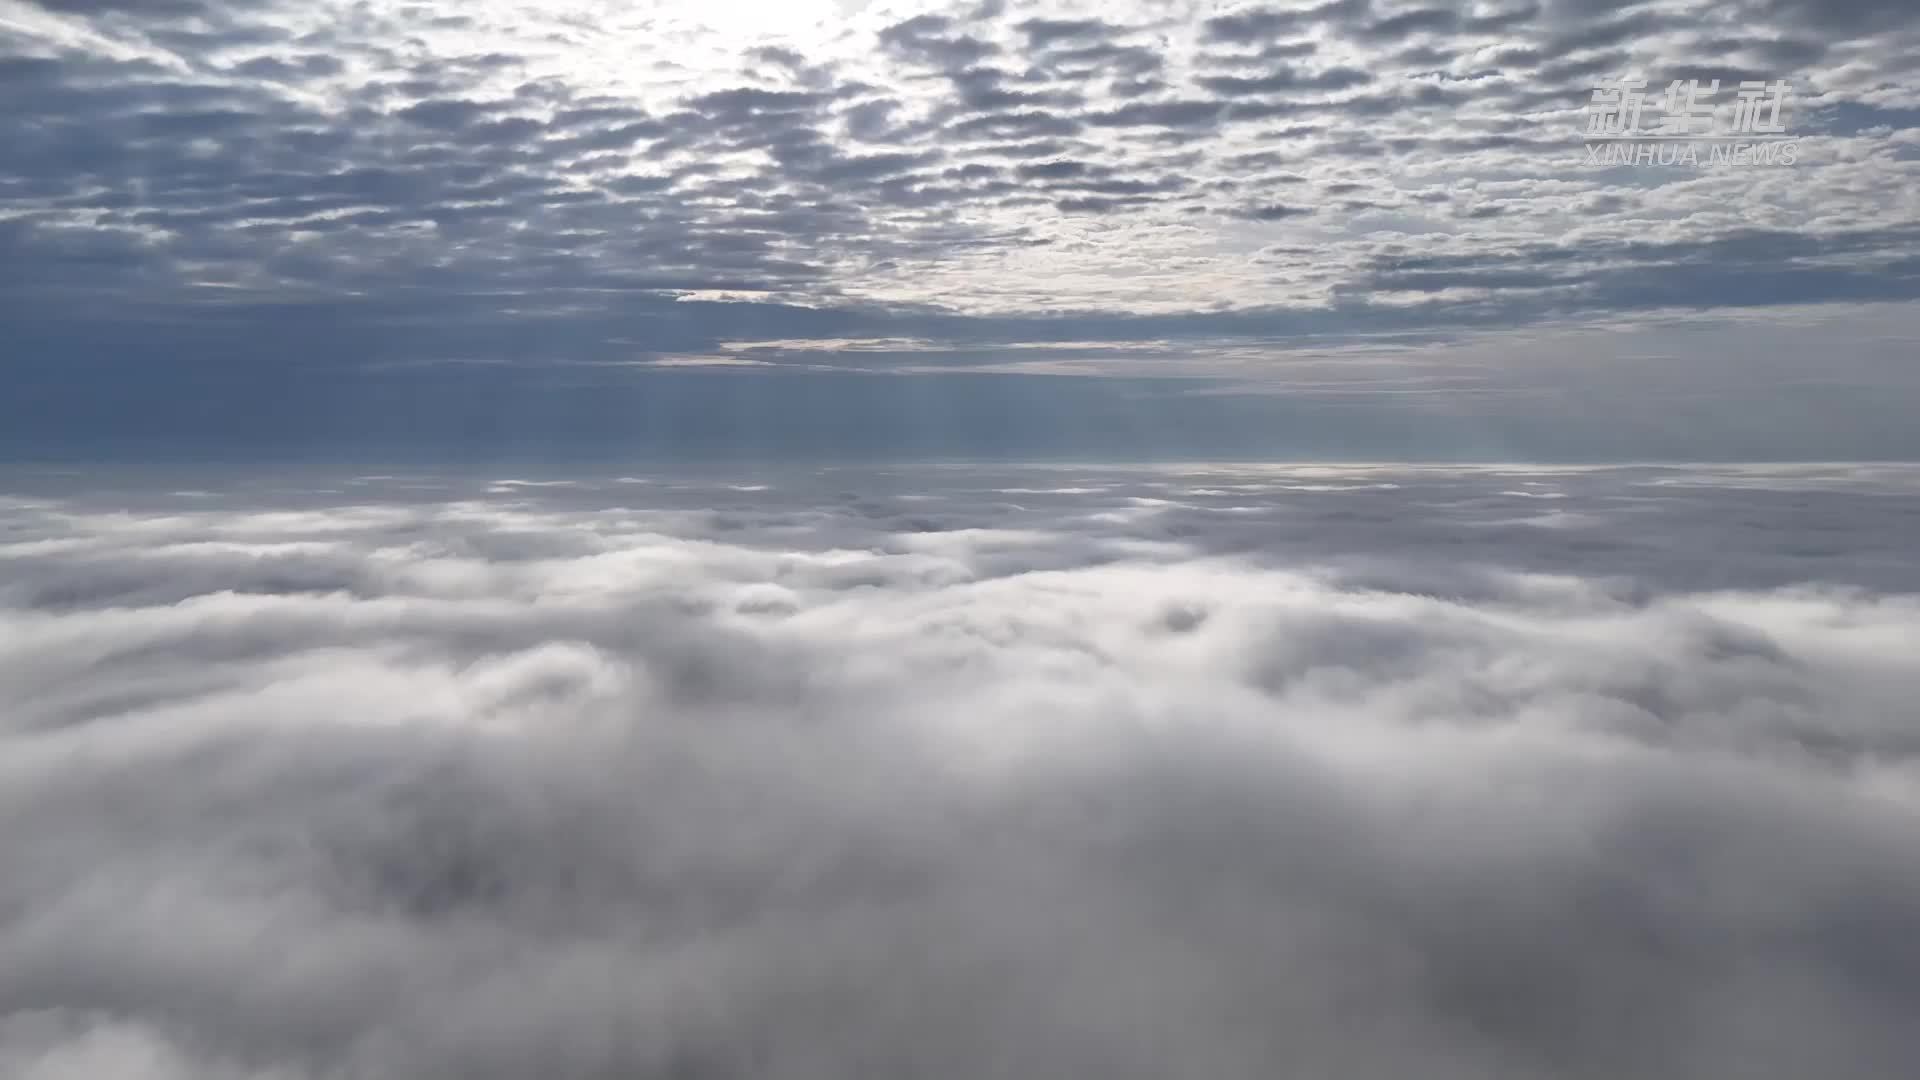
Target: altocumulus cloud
1221 772
261 228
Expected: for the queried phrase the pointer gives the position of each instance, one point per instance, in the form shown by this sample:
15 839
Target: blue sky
588 229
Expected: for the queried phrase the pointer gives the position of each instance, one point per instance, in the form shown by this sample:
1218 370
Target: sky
736 540
236 230
948 771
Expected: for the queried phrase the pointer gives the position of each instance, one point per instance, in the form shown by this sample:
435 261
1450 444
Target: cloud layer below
1214 772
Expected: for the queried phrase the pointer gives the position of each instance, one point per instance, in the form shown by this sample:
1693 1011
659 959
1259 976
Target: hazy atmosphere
816 540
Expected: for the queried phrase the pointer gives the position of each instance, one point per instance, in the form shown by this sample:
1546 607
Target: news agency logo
1687 127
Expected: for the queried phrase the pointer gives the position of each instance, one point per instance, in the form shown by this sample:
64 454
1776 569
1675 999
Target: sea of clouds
945 772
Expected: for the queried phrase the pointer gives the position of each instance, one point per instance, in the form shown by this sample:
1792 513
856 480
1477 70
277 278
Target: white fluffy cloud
1045 772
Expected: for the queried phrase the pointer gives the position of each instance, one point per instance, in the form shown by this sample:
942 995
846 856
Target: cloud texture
1202 772
244 219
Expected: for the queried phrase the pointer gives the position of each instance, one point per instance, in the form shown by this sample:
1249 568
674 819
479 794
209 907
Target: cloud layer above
209 208
1225 772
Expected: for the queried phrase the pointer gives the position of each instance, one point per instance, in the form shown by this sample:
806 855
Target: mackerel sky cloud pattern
1362 209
